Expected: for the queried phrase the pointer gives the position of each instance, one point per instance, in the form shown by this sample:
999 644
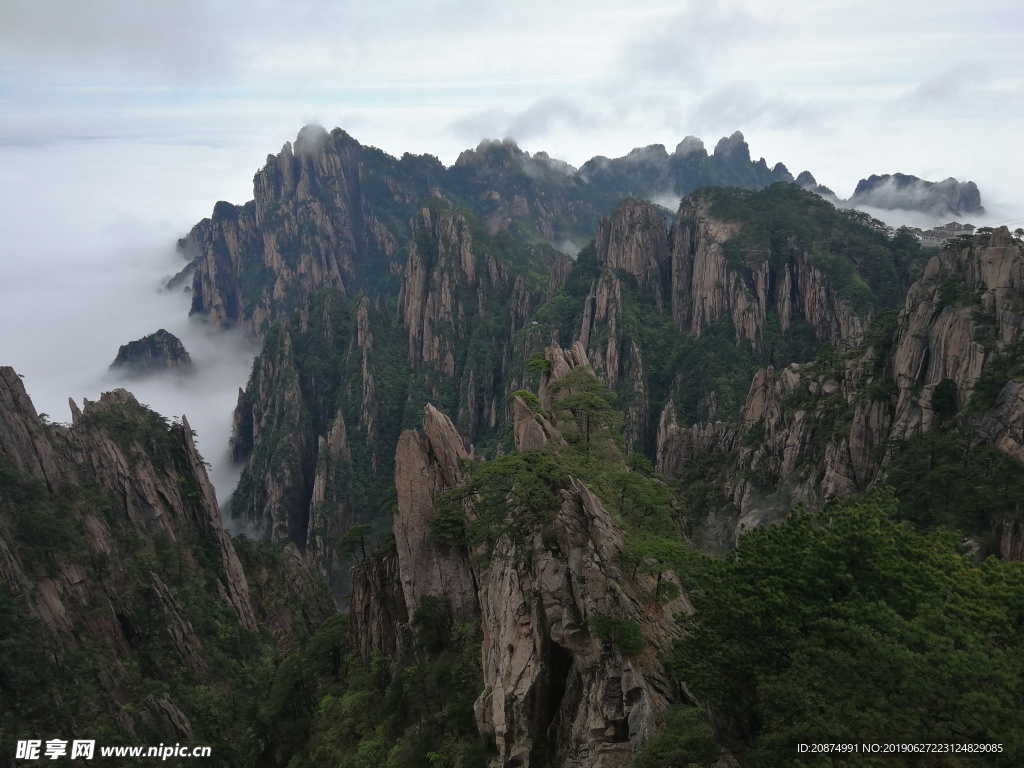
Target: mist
89 241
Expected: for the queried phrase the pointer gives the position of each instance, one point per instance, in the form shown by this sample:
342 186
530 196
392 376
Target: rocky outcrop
965 309
23 439
556 693
706 287
811 432
328 212
425 467
900 191
509 187
560 270
378 615
531 430
805 180
600 333
560 364
460 308
308 227
442 267
275 489
160 351
115 561
652 172
635 239
157 502
330 515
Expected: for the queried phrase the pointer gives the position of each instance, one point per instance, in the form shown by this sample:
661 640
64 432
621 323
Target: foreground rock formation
556 693
114 563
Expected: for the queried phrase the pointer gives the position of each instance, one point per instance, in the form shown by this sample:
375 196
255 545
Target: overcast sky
123 121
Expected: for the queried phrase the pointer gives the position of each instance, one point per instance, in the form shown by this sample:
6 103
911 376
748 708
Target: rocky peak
706 286
23 440
635 239
160 351
560 270
688 146
425 467
491 152
532 430
121 447
733 149
556 693
900 191
561 362
807 181
964 309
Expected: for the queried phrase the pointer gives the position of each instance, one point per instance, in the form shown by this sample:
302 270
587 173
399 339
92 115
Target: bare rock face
328 212
556 694
156 502
811 433
179 630
370 405
22 438
706 288
561 362
532 431
169 719
305 229
378 616
602 308
134 575
425 467
964 309
559 274
160 351
273 405
329 513
455 293
431 315
635 239
156 483
225 243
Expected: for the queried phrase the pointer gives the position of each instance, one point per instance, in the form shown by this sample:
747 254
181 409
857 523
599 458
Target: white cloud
739 106
683 46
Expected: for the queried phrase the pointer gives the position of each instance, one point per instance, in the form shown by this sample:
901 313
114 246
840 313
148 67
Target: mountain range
594 482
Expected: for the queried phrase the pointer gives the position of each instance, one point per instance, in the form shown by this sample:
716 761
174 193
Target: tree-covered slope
127 613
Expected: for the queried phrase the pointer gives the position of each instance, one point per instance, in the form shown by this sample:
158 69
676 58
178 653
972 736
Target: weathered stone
157 352
936 339
426 467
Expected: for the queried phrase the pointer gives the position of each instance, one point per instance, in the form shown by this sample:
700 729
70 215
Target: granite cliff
123 595
556 692
810 432
330 213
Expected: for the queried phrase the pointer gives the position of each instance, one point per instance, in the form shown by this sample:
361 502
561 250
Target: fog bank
88 245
